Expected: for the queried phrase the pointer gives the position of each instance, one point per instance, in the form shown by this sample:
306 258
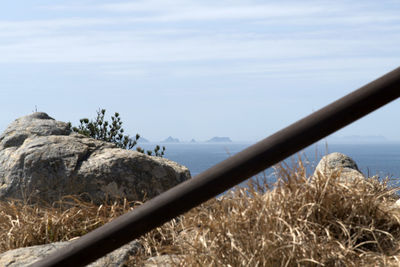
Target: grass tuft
23 224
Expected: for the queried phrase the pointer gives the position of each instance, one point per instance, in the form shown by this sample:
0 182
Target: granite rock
339 163
163 260
41 159
25 256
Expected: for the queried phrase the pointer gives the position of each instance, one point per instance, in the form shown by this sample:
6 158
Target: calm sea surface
372 159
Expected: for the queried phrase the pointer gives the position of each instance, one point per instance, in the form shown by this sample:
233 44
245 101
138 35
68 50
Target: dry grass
298 223
23 224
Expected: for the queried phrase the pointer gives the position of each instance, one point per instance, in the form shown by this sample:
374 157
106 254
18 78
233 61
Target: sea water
372 159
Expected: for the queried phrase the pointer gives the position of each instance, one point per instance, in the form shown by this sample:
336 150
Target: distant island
217 139
192 141
170 139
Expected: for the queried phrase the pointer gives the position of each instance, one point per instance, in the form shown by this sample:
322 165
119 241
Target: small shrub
113 132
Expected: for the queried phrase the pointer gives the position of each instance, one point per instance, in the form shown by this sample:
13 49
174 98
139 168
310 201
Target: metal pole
228 173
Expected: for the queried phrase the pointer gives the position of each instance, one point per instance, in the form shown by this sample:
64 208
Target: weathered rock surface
339 163
40 158
28 255
163 260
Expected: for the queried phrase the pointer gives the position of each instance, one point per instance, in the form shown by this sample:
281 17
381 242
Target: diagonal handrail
227 174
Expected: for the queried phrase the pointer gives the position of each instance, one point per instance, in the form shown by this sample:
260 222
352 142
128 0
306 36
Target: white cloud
277 32
25 25
119 47
171 46
274 69
193 11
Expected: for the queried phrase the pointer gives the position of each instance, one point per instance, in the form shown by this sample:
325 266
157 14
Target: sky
196 69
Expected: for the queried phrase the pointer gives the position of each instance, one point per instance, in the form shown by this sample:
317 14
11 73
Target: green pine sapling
113 132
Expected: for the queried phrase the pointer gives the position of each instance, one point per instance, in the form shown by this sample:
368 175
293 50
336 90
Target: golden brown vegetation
300 222
23 224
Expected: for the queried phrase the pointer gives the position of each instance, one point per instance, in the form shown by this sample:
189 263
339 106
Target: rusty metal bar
228 173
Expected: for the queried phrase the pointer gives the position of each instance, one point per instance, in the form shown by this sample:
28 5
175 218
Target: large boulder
26 256
41 159
341 164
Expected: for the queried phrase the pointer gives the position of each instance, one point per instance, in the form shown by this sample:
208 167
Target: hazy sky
196 69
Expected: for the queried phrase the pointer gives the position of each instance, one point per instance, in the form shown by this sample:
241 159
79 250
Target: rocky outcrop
40 158
22 257
25 256
339 163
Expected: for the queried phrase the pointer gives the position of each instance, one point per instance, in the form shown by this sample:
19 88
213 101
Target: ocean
372 159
